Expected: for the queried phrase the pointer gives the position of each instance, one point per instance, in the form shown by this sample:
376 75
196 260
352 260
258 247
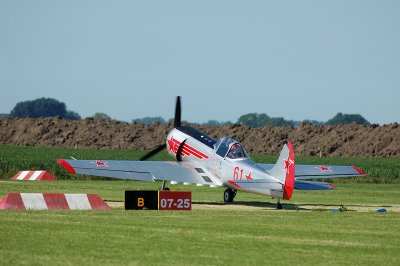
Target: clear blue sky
129 59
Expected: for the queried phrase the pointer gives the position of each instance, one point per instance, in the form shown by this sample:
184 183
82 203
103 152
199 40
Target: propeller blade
179 151
177 123
177 119
153 152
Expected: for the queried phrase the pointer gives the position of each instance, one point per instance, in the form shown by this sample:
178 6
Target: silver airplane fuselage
218 161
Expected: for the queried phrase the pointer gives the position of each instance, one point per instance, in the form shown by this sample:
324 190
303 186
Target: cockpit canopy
230 148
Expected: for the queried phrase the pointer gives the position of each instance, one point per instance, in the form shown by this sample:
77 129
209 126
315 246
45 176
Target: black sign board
141 199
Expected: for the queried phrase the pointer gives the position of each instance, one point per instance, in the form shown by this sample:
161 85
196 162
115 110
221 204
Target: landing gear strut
229 194
163 187
279 205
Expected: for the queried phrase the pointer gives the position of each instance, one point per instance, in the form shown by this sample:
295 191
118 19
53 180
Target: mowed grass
252 232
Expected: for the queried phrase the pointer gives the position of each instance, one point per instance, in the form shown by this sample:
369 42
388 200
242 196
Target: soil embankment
344 140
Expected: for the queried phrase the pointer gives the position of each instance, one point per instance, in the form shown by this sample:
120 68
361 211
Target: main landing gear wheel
229 194
279 205
163 187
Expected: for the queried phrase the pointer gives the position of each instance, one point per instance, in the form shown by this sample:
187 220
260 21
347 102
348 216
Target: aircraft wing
150 171
320 171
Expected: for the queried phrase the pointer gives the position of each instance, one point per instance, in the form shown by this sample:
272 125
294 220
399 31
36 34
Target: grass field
249 231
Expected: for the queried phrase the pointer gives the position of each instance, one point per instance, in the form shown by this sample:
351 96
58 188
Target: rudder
284 170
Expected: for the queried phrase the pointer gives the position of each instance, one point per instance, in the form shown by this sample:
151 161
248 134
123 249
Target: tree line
47 107
43 107
261 120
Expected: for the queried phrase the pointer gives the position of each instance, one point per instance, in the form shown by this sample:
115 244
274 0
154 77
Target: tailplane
284 170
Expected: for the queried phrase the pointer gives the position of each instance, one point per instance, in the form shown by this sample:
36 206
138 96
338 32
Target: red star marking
287 163
100 163
173 146
248 177
324 168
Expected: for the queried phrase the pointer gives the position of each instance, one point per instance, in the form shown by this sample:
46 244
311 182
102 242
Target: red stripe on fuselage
233 183
187 150
195 152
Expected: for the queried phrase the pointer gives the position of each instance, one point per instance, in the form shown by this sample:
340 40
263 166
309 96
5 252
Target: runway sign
175 200
158 200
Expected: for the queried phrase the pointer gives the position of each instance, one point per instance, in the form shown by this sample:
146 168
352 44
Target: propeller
179 151
177 123
153 152
177 118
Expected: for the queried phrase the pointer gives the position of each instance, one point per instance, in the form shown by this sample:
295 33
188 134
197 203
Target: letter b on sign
140 202
141 199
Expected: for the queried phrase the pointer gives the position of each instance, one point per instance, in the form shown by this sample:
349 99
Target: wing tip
67 166
332 186
359 171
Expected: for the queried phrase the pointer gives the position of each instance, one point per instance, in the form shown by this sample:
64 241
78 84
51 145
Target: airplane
203 160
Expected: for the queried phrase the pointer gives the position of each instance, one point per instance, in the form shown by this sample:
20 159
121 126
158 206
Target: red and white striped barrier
33 175
52 201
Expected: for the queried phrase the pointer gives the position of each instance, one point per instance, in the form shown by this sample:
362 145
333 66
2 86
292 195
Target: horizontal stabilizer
321 171
313 185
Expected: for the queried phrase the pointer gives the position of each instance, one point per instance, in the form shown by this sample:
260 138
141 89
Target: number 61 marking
236 173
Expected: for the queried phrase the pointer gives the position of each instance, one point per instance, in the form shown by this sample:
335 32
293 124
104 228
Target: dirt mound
345 140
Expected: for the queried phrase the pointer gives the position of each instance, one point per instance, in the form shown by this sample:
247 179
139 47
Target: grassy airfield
249 231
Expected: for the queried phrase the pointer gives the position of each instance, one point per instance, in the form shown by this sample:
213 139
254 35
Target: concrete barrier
52 201
33 175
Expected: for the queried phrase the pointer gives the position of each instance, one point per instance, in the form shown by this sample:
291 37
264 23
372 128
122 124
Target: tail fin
284 170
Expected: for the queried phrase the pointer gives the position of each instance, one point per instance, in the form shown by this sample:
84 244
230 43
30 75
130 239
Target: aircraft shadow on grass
293 207
257 204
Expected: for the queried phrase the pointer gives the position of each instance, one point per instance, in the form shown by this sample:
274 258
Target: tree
340 119
314 122
71 115
149 120
249 120
212 123
259 120
217 123
43 107
101 116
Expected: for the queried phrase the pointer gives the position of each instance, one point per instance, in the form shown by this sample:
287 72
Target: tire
229 194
